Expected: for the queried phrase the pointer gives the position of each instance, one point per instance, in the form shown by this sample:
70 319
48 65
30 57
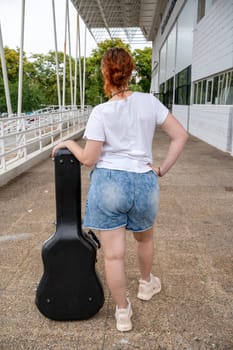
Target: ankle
123 305
146 278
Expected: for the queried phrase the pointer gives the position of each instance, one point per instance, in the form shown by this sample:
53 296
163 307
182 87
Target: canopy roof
134 21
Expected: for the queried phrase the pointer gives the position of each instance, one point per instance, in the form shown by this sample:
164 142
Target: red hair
116 66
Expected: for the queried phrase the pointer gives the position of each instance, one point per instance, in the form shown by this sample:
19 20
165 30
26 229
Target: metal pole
70 61
5 77
20 84
80 64
75 66
64 59
56 55
84 65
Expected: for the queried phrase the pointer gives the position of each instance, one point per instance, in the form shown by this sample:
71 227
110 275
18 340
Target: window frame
216 90
183 86
209 81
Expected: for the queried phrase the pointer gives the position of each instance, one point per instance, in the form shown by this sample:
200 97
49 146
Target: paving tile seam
15 223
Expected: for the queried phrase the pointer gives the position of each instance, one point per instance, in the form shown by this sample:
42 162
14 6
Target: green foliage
31 97
136 87
46 80
103 46
142 60
40 81
94 62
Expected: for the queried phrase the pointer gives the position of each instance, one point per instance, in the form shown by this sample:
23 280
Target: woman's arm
88 155
178 136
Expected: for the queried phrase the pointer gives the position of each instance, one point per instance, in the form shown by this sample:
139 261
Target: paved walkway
194 259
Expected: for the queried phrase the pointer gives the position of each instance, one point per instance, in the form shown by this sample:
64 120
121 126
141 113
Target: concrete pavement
194 259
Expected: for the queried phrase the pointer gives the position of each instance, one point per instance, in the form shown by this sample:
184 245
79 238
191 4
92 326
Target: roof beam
103 17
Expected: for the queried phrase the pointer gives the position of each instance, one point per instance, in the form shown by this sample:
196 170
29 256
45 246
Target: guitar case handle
91 235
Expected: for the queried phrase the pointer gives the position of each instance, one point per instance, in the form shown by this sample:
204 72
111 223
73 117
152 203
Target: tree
46 80
94 89
40 81
31 96
103 46
143 67
12 64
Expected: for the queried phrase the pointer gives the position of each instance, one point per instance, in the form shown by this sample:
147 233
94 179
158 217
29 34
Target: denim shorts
119 198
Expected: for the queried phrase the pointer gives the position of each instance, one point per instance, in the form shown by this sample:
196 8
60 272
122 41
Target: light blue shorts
119 198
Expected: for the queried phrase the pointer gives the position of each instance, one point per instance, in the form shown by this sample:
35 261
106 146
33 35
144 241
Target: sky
39 34
38 30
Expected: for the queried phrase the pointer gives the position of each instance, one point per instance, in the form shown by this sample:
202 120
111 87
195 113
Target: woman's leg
113 244
145 252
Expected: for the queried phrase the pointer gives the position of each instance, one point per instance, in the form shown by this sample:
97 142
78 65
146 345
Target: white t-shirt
127 128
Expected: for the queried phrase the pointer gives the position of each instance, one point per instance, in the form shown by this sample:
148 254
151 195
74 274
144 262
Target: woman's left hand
57 147
88 155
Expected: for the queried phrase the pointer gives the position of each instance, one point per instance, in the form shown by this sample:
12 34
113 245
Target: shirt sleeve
161 111
94 128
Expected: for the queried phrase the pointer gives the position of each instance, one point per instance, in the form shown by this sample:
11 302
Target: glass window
169 93
162 88
162 93
200 10
183 84
229 99
185 24
220 81
162 61
215 91
222 89
199 92
203 95
203 8
195 93
159 96
171 50
209 91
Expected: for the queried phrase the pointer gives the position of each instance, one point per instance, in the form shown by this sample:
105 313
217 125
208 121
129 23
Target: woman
124 190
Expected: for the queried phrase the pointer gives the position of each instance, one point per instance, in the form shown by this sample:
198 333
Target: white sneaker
123 318
146 289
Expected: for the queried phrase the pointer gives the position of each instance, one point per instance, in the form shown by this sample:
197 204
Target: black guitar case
70 288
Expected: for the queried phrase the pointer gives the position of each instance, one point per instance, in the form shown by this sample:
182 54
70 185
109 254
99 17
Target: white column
80 63
56 56
70 60
20 83
64 60
5 77
84 65
75 65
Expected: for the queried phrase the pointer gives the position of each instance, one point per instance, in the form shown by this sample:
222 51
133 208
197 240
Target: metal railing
26 136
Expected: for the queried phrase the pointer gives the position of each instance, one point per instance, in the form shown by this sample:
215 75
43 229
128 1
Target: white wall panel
181 113
212 124
213 41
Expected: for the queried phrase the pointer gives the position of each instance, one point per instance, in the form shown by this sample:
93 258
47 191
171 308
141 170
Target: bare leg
113 244
145 252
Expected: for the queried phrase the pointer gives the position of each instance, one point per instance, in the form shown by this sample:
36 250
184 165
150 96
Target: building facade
192 67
